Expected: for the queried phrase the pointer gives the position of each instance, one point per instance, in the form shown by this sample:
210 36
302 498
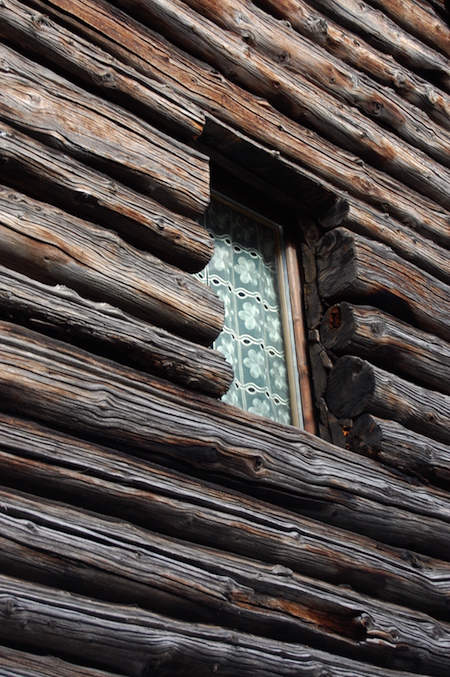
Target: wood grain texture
106 559
112 29
137 642
53 176
46 462
57 248
15 663
392 444
302 58
351 266
106 330
357 52
380 30
355 387
108 403
108 76
296 96
46 104
379 337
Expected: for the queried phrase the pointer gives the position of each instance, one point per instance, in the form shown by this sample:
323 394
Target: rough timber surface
111 29
47 105
54 176
14 663
58 248
138 642
93 398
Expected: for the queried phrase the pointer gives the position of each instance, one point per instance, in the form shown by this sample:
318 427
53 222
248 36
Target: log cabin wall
147 528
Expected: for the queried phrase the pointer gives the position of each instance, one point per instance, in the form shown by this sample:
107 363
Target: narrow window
248 271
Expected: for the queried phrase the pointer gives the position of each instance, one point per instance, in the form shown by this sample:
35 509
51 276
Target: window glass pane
244 273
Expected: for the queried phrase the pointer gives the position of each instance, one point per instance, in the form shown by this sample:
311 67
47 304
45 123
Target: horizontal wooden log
352 49
361 218
46 462
111 29
351 266
379 337
425 24
52 544
392 444
292 93
14 663
109 403
385 34
304 59
134 641
48 105
110 77
108 331
57 248
55 177
355 387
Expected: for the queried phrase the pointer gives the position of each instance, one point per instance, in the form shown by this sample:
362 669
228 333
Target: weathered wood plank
351 266
391 443
352 49
107 26
374 335
110 332
47 462
344 125
53 176
14 663
109 76
356 387
385 34
74 391
136 642
310 64
408 244
425 25
57 248
52 544
46 104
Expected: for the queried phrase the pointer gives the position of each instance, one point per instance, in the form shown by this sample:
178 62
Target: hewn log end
350 387
337 327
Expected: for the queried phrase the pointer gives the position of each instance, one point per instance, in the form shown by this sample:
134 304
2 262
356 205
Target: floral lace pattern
243 272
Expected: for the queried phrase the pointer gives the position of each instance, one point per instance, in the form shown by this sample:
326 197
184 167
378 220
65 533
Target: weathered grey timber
98 399
137 642
391 443
355 51
344 126
15 663
111 29
354 267
109 76
57 248
279 43
379 29
102 328
379 337
360 218
57 177
111 483
44 103
51 543
355 387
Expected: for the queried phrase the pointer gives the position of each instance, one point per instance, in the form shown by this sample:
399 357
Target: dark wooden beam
134 641
392 444
46 462
16 663
356 387
351 267
57 248
102 134
379 337
72 390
